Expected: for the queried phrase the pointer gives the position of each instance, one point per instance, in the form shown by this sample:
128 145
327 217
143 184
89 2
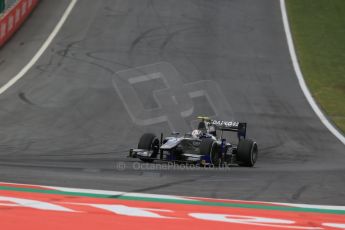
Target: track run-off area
78 89
45 207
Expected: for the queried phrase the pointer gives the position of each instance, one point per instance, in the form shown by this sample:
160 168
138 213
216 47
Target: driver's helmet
196 133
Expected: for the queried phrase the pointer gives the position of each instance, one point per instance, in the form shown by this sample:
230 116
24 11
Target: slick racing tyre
149 142
210 147
247 153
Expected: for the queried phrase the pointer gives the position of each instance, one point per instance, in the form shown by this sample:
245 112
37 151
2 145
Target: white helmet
196 133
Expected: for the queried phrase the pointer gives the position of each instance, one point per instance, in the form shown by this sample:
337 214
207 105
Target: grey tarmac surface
120 68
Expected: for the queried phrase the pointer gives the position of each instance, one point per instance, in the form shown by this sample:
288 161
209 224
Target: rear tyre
149 142
247 153
210 147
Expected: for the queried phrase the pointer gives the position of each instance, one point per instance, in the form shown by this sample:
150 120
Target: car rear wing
232 126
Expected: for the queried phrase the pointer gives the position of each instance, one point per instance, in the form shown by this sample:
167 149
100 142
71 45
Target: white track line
117 193
39 53
300 78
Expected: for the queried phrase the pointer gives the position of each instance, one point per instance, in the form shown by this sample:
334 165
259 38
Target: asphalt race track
120 68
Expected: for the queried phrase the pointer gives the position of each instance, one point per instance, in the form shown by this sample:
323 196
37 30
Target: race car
202 146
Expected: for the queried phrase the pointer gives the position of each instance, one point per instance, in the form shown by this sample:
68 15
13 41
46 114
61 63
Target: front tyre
247 153
149 142
210 148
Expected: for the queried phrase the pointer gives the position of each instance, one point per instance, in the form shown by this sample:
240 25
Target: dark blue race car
202 147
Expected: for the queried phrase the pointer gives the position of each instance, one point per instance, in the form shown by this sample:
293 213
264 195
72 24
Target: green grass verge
318 28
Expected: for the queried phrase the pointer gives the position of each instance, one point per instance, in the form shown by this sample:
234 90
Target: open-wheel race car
203 146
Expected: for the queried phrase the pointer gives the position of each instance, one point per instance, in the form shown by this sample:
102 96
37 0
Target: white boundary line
300 77
43 48
117 193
